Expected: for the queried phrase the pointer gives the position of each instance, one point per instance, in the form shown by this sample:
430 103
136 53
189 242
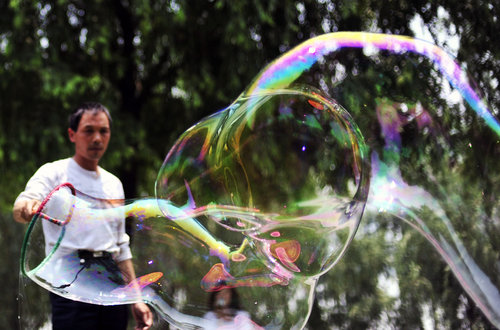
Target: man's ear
71 135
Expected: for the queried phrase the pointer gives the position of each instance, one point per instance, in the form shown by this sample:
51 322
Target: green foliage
160 66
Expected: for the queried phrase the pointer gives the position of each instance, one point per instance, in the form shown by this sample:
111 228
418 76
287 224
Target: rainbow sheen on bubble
269 164
288 67
180 297
265 196
427 205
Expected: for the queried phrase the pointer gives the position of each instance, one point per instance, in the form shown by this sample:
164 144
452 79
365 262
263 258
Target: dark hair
234 304
94 107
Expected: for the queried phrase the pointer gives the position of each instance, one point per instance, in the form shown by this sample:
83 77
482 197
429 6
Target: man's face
91 138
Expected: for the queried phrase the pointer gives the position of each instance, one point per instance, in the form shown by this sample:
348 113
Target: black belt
88 258
86 254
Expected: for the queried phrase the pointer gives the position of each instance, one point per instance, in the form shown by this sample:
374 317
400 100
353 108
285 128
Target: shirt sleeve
123 241
40 184
123 244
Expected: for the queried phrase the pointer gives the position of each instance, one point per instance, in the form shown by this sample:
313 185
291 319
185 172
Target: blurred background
161 66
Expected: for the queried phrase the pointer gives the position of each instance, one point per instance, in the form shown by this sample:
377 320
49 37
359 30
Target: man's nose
97 137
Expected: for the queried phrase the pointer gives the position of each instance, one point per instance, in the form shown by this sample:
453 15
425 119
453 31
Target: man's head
90 131
93 107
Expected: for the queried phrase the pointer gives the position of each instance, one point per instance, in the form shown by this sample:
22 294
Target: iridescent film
260 199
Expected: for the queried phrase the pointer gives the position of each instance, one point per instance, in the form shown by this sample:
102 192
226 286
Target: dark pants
74 315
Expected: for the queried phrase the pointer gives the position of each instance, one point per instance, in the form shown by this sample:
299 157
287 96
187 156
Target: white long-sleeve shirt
107 235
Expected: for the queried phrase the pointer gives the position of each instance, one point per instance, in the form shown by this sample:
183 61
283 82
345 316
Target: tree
161 66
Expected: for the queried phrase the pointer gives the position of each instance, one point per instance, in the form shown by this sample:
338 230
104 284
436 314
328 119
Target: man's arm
25 209
142 314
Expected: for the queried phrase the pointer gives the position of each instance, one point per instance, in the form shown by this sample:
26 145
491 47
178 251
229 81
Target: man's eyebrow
95 126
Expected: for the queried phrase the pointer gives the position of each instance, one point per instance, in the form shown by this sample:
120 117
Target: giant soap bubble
265 196
261 198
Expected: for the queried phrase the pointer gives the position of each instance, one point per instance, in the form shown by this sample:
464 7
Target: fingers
30 209
143 316
35 204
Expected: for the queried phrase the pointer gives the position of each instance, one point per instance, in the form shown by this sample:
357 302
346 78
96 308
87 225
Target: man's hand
24 210
142 315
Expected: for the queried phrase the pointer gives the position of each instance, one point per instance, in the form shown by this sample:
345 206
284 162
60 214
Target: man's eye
104 131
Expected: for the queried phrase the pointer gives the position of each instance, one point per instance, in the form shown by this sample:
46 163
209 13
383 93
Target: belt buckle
97 254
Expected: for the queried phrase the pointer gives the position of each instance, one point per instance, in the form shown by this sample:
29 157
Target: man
90 131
